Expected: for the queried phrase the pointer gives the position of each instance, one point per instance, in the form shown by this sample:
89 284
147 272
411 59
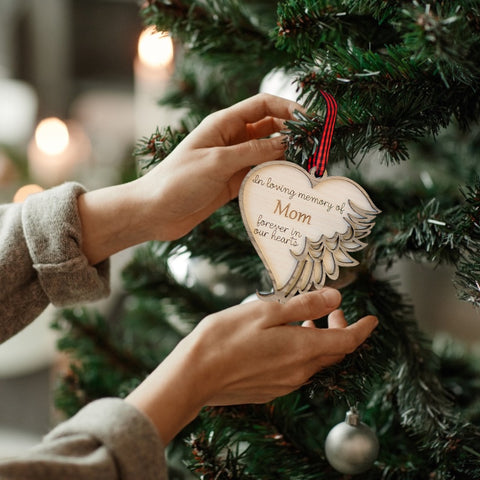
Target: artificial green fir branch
211 27
466 279
158 146
361 75
228 29
95 335
434 232
187 17
305 27
443 32
399 92
109 357
401 72
263 441
148 275
99 366
385 103
266 433
422 232
426 411
467 276
213 458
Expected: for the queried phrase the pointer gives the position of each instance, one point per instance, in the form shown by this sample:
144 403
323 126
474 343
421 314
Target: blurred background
78 87
75 94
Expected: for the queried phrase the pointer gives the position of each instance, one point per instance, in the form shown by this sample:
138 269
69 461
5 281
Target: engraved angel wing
323 258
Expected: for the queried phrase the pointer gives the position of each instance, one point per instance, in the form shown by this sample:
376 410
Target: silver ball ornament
351 447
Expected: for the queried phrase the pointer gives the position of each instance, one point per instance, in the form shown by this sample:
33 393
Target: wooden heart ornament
302 227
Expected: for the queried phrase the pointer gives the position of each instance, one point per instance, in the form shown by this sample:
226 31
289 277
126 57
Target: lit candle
25 191
155 49
56 151
153 68
51 136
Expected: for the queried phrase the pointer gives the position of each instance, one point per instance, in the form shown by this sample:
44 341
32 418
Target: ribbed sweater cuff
129 436
53 233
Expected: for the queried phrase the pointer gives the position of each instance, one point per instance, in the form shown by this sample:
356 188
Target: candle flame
155 49
51 136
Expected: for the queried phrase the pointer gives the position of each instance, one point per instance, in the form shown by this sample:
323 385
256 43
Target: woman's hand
206 170
250 353
203 173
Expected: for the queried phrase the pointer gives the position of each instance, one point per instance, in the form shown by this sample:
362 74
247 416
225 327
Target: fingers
338 341
362 329
301 308
310 306
263 105
253 152
237 134
265 127
337 320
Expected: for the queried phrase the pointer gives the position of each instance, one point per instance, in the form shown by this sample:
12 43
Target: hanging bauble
351 447
207 278
281 83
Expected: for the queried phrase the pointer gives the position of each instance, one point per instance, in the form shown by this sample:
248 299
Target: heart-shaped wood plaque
302 227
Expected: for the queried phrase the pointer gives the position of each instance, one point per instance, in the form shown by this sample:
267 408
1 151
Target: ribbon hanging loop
319 159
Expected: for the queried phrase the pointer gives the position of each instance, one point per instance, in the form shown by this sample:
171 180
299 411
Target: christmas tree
406 76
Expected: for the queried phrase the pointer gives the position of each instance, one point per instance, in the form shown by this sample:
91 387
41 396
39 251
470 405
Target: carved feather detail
323 258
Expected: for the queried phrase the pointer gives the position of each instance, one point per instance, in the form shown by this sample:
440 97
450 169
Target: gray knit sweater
41 263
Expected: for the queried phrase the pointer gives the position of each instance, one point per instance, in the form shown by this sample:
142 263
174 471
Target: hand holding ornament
203 173
250 353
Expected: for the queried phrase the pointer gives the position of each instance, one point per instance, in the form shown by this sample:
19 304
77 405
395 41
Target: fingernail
280 142
331 296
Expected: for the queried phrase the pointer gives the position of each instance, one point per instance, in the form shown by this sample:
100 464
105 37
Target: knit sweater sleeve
41 261
106 440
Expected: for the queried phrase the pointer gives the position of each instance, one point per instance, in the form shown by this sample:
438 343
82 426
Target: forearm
112 221
173 394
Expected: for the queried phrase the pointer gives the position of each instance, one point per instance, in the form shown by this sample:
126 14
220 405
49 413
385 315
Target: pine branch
424 407
152 150
214 34
418 70
468 268
308 26
385 103
96 336
432 230
99 365
274 436
211 28
443 32
148 275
